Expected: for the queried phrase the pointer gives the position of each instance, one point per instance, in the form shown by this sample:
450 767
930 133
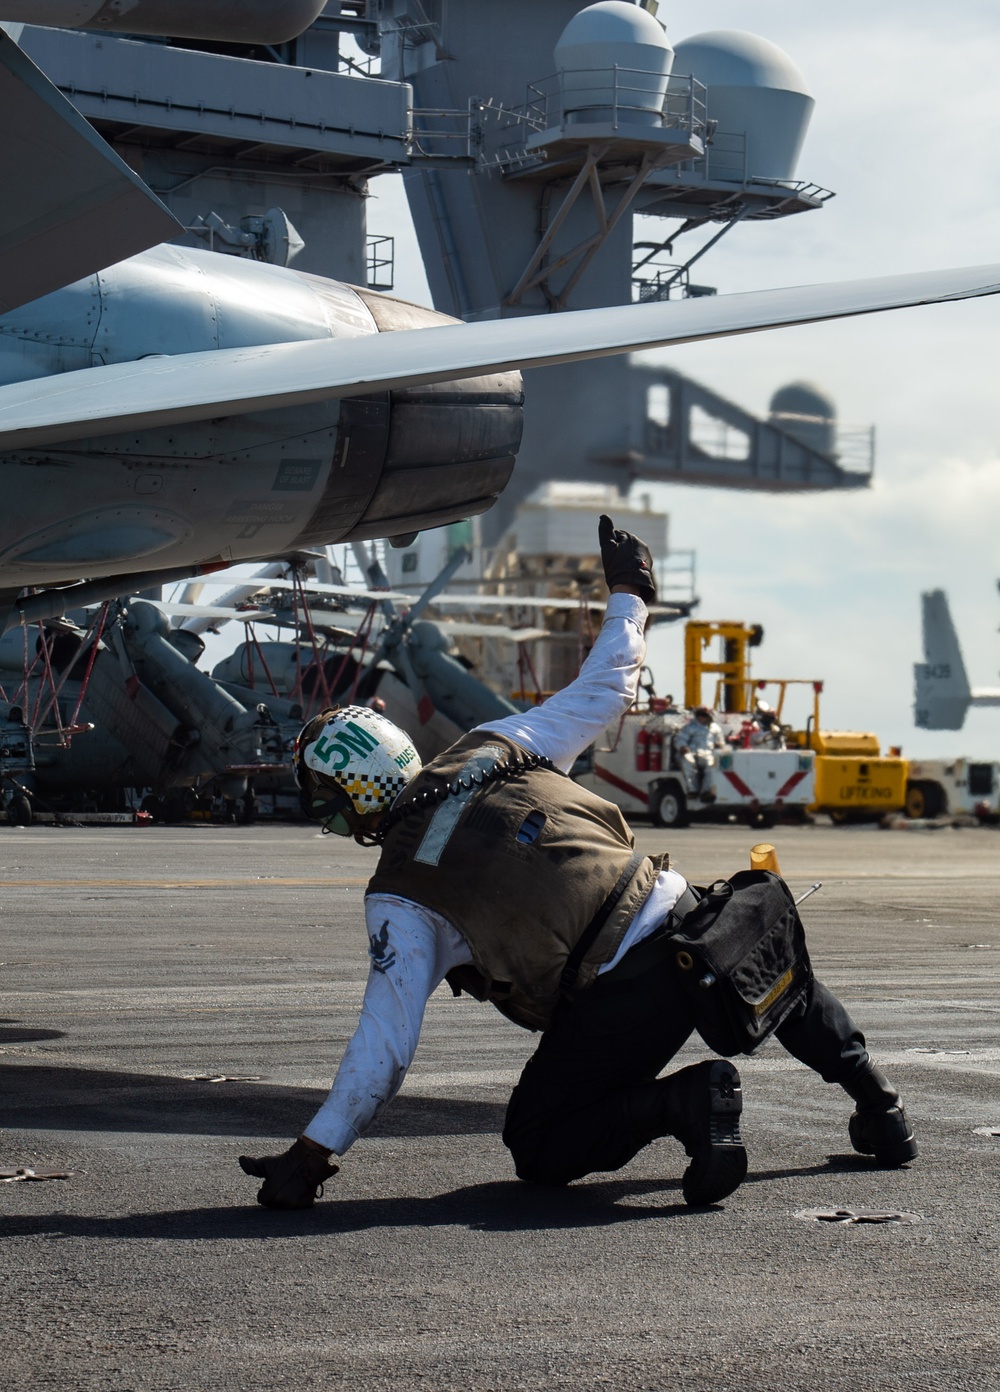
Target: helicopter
113 712
95 716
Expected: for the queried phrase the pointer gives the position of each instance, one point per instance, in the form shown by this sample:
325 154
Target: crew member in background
696 742
499 873
768 733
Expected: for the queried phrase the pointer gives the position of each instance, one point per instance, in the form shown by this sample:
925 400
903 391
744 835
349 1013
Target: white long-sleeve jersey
412 948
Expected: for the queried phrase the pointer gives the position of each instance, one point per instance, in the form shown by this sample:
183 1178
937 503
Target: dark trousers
588 1098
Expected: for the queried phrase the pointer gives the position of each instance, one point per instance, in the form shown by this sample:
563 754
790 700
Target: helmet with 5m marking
350 763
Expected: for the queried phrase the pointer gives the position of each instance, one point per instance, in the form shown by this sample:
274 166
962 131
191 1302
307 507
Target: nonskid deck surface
172 997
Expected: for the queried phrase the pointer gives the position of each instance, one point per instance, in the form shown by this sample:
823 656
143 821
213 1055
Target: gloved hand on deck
293 1179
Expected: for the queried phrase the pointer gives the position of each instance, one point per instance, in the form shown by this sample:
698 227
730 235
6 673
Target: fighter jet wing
68 205
189 387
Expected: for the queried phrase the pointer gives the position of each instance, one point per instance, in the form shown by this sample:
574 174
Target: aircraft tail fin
941 688
72 205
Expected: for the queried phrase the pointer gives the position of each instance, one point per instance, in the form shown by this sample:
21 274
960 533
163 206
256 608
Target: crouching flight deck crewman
501 874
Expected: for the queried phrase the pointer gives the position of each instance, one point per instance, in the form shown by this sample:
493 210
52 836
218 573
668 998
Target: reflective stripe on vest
445 818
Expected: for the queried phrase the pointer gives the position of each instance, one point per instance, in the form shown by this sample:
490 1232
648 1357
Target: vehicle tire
668 806
19 811
924 800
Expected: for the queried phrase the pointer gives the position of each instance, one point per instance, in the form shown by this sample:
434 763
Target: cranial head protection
351 762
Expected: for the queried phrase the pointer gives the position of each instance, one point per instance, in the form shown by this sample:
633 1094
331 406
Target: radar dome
807 413
613 61
755 91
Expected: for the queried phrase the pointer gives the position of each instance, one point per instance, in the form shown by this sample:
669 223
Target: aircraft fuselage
245 487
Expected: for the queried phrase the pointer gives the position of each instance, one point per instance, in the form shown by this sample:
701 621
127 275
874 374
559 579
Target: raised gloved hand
292 1179
626 560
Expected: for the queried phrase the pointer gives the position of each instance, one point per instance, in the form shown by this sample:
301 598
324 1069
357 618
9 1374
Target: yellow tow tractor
854 780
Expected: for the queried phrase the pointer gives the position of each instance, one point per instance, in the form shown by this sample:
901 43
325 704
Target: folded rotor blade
191 387
458 629
212 611
440 601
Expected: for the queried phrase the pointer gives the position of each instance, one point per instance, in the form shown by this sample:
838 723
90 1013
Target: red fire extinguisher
655 751
642 750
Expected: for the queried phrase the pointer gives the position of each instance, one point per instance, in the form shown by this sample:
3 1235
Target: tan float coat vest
520 867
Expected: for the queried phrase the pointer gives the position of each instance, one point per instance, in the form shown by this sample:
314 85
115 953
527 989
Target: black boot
879 1127
703 1106
292 1179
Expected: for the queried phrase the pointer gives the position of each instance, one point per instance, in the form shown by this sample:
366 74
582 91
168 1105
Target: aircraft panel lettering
297 475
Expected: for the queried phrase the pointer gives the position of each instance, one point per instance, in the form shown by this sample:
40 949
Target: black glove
293 1179
626 560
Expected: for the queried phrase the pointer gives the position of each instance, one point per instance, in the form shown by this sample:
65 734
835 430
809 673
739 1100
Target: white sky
905 131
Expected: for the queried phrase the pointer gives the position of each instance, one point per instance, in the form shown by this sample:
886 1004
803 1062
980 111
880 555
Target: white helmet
350 762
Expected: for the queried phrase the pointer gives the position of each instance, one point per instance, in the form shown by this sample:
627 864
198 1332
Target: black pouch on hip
741 959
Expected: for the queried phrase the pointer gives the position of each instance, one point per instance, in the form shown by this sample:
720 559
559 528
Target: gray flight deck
138 963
